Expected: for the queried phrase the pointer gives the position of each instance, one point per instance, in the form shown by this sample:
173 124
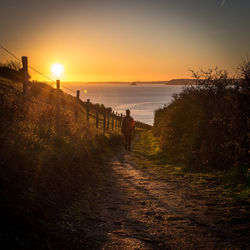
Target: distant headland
170 82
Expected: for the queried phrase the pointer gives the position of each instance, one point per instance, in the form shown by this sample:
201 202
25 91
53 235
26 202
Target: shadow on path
141 211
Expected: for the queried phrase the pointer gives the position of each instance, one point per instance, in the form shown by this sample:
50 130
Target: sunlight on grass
147 154
150 158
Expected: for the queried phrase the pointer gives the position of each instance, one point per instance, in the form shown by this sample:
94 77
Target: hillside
45 170
206 126
67 184
181 82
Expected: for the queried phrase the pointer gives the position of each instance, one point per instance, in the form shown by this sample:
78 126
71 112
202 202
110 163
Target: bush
207 124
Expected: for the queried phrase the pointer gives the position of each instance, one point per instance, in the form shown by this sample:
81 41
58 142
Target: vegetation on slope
43 171
206 126
149 157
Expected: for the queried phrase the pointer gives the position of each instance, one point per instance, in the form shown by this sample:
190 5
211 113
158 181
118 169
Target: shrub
207 124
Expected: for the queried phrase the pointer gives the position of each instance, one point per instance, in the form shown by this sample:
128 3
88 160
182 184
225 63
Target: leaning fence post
58 105
77 104
26 76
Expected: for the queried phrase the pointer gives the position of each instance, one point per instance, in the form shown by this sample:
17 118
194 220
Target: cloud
222 2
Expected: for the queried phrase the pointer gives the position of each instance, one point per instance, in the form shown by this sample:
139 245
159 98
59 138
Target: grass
149 157
46 170
50 181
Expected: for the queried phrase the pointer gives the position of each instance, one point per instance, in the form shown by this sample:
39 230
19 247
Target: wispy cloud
222 2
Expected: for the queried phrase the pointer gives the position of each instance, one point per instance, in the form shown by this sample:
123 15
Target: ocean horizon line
179 81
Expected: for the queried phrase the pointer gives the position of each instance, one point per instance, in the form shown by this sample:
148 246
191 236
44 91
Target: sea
141 99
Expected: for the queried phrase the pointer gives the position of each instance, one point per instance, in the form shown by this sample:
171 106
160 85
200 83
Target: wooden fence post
118 119
26 77
113 114
77 104
116 122
58 105
87 111
121 120
97 120
108 120
104 120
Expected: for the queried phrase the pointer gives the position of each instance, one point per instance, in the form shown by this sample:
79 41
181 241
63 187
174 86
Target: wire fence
103 117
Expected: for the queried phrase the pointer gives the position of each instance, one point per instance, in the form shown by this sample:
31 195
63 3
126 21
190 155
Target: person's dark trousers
127 140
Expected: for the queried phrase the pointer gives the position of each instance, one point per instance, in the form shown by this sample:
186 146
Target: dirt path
143 211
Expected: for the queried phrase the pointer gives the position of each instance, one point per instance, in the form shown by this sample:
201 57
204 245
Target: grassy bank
150 158
46 170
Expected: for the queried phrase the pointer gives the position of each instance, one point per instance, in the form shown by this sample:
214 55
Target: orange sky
118 41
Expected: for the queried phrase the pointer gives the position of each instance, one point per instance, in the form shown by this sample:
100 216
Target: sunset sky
131 40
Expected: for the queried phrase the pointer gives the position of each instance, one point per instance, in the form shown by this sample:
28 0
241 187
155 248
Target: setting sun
57 69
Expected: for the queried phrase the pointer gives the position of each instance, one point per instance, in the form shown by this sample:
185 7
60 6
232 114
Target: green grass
149 157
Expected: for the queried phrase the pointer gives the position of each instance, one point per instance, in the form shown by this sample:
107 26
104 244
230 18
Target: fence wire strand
47 77
32 68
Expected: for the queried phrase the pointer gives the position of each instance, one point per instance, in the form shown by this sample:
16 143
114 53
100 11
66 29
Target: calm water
142 99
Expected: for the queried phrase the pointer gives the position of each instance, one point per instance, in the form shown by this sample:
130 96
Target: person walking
128 128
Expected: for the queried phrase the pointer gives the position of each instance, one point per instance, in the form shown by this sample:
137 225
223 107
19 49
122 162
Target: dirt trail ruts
143 211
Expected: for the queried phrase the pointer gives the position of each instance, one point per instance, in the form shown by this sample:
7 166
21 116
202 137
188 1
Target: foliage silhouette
207 124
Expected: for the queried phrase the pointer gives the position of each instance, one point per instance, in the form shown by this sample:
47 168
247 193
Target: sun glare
57 69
